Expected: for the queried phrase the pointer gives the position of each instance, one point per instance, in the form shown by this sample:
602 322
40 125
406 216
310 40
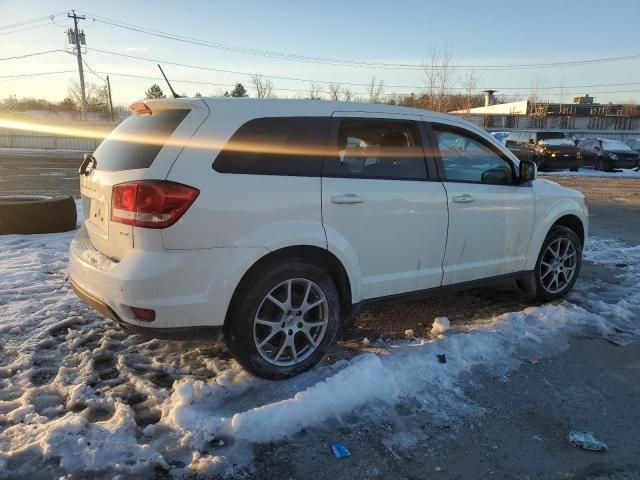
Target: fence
18 138
623 135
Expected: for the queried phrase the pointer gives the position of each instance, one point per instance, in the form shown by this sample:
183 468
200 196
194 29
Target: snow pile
78 396
440 325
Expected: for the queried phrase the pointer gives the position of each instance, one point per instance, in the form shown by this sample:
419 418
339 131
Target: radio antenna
173 92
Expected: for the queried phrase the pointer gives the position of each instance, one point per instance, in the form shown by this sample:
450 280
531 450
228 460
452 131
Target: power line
193 82
220 70
37 74
249 51
348 63
33 20
92 71
326 82
26 55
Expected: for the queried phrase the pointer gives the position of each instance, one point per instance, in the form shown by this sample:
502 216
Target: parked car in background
274 220
550 150
608 154
634 144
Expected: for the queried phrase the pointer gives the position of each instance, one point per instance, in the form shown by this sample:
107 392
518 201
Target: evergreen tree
67 105
239 91
198 94
154 92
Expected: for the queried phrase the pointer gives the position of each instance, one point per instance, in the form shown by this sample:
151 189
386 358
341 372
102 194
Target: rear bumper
190 290
179 333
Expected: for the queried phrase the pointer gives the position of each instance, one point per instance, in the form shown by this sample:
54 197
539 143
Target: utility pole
110 101
76 39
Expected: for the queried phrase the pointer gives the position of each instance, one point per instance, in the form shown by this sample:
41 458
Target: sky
490 32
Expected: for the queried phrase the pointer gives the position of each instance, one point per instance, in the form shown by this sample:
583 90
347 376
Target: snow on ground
78 396
591 172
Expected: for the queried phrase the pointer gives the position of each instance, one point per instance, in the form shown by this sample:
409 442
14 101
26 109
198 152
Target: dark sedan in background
607 154
550 150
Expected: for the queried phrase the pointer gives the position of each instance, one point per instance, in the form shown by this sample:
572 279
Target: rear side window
377 148
136 142
292 146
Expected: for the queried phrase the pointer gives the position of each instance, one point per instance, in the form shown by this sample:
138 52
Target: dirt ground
522 434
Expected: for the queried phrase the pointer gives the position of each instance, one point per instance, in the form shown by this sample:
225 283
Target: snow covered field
78 396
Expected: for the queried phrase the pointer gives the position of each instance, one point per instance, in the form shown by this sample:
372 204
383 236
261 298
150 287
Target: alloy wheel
558 265
291 322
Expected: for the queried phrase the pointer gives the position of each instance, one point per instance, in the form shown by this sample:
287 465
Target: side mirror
597 148
528 171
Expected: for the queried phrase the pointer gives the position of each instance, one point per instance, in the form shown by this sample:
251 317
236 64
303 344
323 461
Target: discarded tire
37 214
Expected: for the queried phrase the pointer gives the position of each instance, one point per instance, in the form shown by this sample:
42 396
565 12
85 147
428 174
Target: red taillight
150 203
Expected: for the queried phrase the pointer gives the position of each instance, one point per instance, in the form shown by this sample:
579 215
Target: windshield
616 145
136 142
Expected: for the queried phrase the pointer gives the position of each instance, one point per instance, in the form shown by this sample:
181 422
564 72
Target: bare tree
375 90
347 96
334 91
439 69
537 90
314 92
96 96
469 83
263 86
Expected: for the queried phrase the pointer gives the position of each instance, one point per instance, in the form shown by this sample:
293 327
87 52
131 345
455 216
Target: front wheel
557 268
283 319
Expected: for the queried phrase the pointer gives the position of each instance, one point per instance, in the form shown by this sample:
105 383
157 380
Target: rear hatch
142 147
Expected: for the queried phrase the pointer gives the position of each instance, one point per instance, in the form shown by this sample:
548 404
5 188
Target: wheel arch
574 223
567 214
320 257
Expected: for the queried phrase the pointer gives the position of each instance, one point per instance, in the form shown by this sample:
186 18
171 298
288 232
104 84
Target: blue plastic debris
340 450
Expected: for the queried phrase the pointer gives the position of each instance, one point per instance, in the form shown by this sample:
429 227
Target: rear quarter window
292 146
136 142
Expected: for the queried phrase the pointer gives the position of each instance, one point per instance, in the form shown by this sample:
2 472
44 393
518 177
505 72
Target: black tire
37 214
603 165
531 282
248 298
575 169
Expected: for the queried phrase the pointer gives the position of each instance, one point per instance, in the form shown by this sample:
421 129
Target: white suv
272 220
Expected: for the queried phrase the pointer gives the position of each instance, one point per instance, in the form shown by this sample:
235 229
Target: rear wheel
574 169
558 266
283 319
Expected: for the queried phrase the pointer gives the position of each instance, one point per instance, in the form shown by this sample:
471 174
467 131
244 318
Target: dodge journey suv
274 220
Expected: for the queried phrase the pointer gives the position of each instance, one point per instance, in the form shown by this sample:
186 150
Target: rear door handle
466 198
346 199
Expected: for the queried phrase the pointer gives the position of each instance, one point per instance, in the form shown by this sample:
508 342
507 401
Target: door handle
346 199
466 198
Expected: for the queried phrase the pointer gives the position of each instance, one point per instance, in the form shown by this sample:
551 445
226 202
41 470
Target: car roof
249 108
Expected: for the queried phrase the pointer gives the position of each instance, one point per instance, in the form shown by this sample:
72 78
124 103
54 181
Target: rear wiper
89 159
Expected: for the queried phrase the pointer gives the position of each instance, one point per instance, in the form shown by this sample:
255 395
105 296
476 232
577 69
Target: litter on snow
340 450
586 441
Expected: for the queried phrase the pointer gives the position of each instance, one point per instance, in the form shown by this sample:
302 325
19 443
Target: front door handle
346 199
466 198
